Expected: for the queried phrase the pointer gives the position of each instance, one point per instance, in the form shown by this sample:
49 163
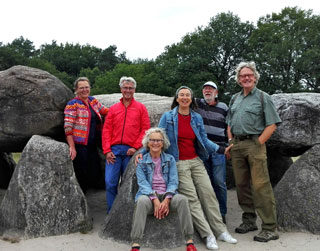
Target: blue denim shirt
204 146
145 170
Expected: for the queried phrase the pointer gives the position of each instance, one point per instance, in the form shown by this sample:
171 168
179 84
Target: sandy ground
91 241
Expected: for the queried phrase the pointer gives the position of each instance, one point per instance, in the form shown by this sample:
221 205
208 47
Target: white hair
251 66
145 140
127 79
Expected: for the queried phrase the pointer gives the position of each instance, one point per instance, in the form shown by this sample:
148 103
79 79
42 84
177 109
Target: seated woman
157 194
189 142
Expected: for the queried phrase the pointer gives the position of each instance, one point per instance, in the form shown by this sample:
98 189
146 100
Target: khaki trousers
254 190
144 206
194 183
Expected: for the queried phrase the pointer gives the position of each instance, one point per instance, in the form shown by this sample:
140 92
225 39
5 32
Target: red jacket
125 125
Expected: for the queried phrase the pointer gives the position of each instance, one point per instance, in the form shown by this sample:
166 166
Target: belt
245 137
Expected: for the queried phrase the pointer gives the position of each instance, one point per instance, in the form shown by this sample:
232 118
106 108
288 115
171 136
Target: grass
295 158
16 157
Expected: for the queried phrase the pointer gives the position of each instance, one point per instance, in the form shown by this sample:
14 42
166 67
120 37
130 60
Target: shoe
225 236
224 219
211 242
191 247
265 236
246 227
135 249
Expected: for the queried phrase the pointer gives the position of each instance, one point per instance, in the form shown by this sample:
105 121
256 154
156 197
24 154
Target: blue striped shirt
214 119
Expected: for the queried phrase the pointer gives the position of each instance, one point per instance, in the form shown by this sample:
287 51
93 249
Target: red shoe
191 247
134 249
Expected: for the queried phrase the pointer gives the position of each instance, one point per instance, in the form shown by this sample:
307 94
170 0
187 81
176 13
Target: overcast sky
141 28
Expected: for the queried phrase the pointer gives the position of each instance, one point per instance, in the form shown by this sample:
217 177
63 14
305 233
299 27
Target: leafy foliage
285 47
209 53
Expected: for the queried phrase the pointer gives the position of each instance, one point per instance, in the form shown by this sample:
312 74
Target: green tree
23 47
108 58
286 47
142 71
209 53
18 52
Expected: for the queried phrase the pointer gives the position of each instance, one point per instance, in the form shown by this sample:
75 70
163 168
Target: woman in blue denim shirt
157 194
189 142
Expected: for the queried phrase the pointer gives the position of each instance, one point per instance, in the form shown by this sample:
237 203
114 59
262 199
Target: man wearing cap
214 115
252 119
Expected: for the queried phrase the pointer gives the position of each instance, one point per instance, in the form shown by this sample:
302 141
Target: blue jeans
115 171
216 168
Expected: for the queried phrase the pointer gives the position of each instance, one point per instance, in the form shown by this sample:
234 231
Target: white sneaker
211 242
225 236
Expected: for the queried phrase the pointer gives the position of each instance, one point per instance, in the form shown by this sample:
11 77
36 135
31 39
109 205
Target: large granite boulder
299 130
298 194
32 102
158 234
156 105
7 166
43 197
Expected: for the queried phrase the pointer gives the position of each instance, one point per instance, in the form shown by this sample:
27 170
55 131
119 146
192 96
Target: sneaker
265 236
246 227
225 236
211 242
191 247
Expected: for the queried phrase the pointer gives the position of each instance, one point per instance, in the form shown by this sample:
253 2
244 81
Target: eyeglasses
127 88
156 140
84 88
246 75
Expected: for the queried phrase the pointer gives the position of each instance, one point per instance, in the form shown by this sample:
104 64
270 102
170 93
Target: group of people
182 166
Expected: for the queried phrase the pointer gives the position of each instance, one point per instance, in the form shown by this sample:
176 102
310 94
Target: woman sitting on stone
189 142
82 125
157 194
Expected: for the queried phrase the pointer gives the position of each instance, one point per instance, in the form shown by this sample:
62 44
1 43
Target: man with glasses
122 135
251 120
214 115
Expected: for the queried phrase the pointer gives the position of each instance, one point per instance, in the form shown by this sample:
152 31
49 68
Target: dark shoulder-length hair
193 104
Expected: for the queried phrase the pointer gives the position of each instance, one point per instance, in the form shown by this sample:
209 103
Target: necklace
184 116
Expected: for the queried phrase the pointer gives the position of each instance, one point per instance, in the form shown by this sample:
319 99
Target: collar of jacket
163 156
132 101
175 112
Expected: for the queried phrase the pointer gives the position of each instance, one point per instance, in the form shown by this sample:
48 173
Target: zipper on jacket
125 118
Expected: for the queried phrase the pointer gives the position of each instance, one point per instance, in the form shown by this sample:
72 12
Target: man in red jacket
122 135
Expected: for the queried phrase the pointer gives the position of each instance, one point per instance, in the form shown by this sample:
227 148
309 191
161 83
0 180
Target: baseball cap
210 83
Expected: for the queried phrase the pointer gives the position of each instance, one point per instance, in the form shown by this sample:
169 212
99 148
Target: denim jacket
204 146
145 170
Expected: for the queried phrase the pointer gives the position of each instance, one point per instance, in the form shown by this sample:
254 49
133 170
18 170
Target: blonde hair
75 84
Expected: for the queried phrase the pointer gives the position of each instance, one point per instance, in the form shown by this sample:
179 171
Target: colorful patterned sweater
77 118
